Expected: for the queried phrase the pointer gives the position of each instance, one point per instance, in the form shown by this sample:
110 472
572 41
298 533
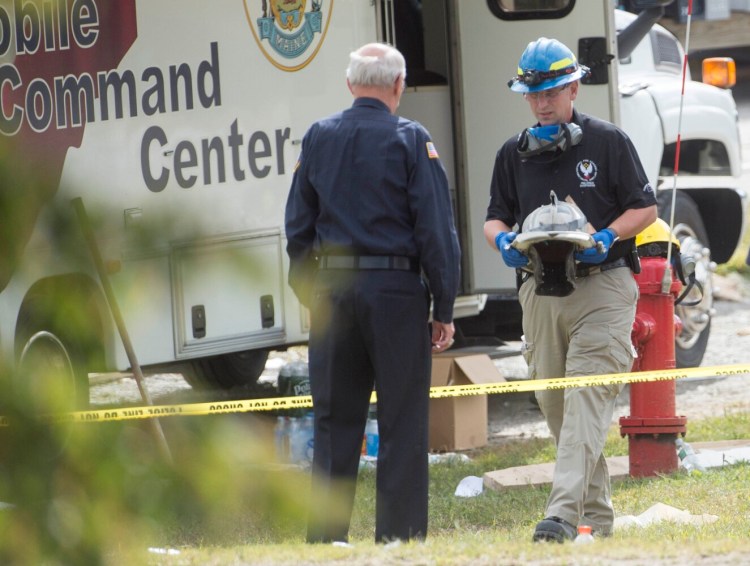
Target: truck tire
690 344
227 371
51 373
49 379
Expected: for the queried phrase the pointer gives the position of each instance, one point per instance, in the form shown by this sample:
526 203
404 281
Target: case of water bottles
295 444
293 381
293 432
294 428
294 439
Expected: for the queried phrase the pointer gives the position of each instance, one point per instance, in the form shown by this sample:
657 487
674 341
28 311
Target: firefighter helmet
546 63
653 241
550 236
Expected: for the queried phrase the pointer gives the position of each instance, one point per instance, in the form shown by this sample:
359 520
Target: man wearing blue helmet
594 165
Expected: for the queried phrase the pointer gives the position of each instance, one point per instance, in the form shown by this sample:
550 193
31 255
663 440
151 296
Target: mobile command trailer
177 125
462 59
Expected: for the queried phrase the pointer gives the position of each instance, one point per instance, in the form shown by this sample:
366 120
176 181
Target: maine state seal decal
289 32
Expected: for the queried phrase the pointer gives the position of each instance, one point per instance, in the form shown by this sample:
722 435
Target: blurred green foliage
101 493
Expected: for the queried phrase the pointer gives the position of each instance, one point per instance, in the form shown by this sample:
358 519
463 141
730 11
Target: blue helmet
546 63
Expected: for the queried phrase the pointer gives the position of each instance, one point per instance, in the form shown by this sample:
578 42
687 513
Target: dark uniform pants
369 328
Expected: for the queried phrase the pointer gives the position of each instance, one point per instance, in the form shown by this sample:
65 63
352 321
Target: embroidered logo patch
431 151
586 171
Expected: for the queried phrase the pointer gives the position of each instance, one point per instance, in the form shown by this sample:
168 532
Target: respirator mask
536 140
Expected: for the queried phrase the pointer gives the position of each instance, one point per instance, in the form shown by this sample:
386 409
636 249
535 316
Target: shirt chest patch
587 171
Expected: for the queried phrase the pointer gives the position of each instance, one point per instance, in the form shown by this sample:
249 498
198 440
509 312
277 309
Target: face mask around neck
539 139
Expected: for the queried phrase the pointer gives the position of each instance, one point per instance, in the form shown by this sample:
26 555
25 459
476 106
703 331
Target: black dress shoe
554 529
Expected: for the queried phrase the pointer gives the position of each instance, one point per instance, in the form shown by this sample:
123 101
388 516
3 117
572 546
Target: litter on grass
448 457
470 486
717 458
662 512
168 551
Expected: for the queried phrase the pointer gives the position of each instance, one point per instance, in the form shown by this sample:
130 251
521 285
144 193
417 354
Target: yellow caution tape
302 401
589 380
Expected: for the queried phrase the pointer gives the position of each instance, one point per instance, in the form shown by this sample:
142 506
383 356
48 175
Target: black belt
582 269
389 262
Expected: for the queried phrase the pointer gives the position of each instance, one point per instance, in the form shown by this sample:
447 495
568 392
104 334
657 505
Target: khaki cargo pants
585 333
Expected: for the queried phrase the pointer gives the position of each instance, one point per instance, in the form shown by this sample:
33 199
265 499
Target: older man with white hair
368 213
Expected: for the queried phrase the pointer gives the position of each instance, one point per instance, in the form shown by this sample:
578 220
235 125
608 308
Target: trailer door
488 38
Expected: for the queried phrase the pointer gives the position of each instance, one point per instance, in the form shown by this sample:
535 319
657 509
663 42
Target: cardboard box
460 423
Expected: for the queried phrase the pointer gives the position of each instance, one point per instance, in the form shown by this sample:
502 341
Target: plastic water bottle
294 380
281 438
309 438
584 535
296 440
688 459
372 437
301 440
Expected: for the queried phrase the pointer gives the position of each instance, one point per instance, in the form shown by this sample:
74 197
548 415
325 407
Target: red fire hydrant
652 426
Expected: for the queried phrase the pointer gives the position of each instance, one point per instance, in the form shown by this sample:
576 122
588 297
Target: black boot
554 529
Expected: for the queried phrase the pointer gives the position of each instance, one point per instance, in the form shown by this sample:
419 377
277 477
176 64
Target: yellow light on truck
720 71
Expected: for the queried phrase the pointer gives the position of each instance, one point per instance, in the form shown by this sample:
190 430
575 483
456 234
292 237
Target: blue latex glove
598 253
511 256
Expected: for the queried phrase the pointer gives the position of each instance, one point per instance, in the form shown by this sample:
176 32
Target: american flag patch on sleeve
431 151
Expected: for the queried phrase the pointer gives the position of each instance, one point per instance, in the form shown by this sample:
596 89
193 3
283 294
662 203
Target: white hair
375 64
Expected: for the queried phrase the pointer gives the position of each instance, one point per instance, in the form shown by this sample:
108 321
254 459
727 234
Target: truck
169 131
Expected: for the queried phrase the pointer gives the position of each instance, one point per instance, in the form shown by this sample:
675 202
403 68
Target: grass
495 528
737 263
110 497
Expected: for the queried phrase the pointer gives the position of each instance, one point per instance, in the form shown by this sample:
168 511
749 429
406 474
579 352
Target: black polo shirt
602 174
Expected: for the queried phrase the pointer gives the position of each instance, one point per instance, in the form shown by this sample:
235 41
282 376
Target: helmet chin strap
539 139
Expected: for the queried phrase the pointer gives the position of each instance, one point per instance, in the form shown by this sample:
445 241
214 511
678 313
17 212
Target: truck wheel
51 373
691 343
238 369
48 380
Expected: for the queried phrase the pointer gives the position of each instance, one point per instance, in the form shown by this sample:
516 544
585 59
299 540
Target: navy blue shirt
371 183
602 174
